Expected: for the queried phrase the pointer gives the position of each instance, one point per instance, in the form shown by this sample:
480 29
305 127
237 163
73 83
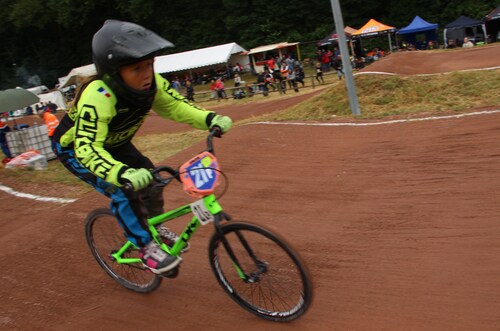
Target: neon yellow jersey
102 121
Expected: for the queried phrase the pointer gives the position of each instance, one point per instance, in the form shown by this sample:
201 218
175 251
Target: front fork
261 266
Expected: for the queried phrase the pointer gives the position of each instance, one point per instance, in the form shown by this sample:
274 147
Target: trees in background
47 39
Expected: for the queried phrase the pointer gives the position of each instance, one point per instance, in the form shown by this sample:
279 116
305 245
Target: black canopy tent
492 22
333 38
464 27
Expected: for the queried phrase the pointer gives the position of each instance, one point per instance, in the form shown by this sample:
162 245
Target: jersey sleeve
170 104
96 109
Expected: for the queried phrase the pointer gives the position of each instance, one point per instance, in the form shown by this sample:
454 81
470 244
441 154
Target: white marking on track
33 196
486 112
439 73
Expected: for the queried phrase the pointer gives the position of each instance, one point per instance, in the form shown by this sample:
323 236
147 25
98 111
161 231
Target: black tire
281 293
104 237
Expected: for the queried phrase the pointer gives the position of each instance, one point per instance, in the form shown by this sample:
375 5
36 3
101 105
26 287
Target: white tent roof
197 58
77 73
271 47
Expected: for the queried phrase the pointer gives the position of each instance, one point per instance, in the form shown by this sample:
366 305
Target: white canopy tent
202 57
55 97
76 75
260 54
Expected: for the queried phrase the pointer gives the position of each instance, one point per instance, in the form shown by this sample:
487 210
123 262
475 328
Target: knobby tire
104 237
281 293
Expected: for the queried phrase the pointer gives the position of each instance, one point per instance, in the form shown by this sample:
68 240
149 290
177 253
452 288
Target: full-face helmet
119 43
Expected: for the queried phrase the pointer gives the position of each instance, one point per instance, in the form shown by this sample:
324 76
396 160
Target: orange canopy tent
374 28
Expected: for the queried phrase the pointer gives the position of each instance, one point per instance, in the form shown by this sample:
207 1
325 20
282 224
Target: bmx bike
257 268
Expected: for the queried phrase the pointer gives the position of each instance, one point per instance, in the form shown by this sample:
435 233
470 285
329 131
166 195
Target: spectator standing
51 122
261 80
213 87
236 69
337 64
29 110
269 81
271 64
319 73
299 75
292 80
52 107
284 75
290 62
4 128
237 80
189 91
325 61
177 85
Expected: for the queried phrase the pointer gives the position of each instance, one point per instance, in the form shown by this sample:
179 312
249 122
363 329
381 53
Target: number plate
201 212
200 175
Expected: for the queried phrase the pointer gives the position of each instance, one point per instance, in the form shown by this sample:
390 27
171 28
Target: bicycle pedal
171 273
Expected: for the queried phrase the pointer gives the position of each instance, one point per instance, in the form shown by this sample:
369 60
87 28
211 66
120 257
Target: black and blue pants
131 209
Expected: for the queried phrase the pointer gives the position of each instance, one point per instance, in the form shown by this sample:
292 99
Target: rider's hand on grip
137 178
223 122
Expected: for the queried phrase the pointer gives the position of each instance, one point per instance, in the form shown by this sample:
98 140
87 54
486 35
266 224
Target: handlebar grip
216 131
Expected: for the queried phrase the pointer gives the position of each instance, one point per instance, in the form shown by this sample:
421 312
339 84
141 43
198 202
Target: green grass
379 96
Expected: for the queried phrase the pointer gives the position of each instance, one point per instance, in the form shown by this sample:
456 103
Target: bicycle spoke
281 291
105 238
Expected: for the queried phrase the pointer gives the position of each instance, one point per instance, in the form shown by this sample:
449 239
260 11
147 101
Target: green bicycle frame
211 205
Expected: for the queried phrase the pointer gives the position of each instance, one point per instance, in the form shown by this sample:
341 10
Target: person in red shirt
325 62
213 87
221 91
271 64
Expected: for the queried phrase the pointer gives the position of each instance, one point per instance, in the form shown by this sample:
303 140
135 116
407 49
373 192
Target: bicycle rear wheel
278 286
105 237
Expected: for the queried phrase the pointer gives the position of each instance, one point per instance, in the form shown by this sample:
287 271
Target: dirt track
398 223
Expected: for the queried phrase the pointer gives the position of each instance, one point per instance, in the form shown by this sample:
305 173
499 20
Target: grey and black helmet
119 43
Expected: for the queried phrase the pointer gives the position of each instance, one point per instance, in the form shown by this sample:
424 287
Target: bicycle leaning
256 267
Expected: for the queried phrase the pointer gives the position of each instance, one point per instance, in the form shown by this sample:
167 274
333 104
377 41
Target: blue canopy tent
417 29
463 27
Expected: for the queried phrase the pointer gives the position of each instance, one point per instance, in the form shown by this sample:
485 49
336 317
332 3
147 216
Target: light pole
346 63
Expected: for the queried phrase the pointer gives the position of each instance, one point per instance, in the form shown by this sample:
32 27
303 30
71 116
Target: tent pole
298 52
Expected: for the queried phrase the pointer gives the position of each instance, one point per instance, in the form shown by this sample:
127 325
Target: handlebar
164 181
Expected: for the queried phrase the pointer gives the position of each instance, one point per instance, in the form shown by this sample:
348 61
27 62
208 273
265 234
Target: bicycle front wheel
272 281
105 237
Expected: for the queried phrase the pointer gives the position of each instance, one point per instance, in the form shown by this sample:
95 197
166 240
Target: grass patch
381 96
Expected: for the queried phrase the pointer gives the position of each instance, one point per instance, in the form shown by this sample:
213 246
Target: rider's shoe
170 238
156 259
